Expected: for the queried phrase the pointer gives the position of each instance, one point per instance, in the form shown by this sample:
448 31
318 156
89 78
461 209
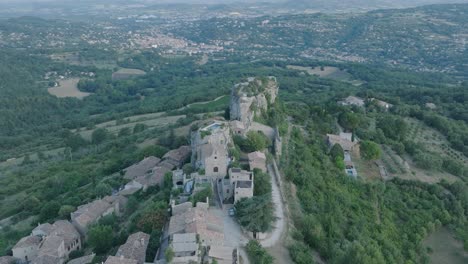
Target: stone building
48 244
91 212
257 160
210 149
240 185
135 247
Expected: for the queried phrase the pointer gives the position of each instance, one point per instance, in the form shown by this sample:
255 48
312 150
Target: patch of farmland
151 123
126 73
68 88
445 248
433 140
327 72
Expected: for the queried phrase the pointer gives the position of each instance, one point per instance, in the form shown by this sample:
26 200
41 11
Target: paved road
279 225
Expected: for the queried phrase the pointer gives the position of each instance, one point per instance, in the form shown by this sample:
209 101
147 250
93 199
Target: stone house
178 157
343 139
119 260
141 168
8 260
239 185
135 247
210 149
223 254
91 212
27 248
186 248
199 220
48 243
352 100
257 160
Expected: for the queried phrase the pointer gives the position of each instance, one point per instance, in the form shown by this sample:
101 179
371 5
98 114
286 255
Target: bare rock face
251 98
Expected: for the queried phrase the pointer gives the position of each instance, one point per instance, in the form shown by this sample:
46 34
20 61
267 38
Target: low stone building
343 139
384 105
353 100
223 254
186 248
8 260
91 212
178 157
199 220
27 248
239 185
141 168
119 260
135 247
257 160
48 244
82 260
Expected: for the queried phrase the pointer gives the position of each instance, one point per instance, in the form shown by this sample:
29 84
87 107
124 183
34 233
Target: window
215 169
216 157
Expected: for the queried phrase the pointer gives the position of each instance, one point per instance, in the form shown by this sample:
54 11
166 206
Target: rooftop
120 260
28 242
141 168
135 247
244 184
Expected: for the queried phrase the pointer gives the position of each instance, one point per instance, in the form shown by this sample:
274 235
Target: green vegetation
255 141
349 221
370 150
100 238
202 195
255 214
262 183
257 254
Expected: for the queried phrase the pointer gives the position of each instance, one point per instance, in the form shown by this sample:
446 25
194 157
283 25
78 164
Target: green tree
49 211
66 210
169 253
202 195
139 128
257 254
100 238
370 150
99 135
255 214
102 189
126 131
75 141
262 183
337 152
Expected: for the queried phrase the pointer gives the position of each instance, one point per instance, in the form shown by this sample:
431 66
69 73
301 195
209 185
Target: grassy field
68 88
445 248
112 127
328 73
433 140
214 105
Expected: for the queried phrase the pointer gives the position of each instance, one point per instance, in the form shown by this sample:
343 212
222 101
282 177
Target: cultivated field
125 73
113 127
446 249
433 140
328 73
68 88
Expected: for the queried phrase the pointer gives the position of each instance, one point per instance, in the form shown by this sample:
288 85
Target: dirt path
275 235
275 242
200 103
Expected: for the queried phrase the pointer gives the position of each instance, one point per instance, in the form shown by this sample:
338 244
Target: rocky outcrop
251 98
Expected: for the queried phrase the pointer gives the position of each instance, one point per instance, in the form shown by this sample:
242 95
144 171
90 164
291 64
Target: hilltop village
207 179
